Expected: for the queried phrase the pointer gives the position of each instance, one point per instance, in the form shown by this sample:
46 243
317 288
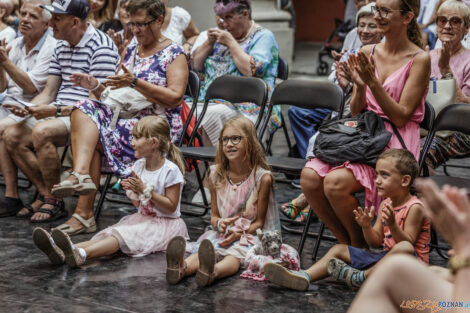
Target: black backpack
358 139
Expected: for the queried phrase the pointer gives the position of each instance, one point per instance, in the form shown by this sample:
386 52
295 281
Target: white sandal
66 188
89 226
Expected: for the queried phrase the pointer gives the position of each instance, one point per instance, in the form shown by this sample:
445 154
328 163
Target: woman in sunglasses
390 79
452 60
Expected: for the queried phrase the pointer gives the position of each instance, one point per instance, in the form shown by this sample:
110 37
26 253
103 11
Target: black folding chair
307 95
233 89
192 90
282 74
454 118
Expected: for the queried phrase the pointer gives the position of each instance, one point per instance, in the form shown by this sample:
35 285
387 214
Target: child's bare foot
293 208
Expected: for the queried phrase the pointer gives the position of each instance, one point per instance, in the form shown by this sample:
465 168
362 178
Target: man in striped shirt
33 143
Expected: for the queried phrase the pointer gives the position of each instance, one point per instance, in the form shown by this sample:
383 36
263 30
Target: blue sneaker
279 275
296 183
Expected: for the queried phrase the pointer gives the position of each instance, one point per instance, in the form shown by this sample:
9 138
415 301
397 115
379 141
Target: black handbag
358 139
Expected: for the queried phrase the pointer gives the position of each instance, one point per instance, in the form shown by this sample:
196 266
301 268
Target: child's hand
135 183
225 222
364 217
388 214
125 184
231 238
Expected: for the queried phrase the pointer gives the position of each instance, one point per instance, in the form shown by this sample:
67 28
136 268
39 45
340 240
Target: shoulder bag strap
397 133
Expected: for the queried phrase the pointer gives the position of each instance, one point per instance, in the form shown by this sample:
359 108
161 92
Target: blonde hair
413 30
254 151
105 14
157 127
458 5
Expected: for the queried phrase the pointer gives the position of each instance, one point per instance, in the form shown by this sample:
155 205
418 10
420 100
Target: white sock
82 253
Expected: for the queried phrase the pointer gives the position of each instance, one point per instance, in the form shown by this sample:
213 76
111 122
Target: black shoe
10 206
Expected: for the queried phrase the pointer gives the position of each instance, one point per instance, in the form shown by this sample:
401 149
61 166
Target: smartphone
343 129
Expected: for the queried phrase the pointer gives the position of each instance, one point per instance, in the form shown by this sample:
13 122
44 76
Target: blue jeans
303 122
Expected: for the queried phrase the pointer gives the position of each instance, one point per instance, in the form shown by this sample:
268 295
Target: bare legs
312 187
99 248
332 199
7 166
86 160
227 267
397 279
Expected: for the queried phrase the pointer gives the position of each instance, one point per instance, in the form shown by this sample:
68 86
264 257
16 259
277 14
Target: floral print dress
118 152
262 47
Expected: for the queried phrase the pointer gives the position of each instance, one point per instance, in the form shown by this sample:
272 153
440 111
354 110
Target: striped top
95 54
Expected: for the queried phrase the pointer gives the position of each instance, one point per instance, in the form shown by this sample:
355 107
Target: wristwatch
59 111
134 82
457 263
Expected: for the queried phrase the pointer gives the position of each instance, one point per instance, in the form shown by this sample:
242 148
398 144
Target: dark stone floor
28 283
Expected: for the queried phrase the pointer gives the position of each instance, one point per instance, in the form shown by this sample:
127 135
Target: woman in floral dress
157 69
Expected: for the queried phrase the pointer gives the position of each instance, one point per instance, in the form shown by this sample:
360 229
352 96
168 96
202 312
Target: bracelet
457 263
134 82
218 224
97 86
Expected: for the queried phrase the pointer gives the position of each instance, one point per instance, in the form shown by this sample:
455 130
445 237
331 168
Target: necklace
236 185
248 33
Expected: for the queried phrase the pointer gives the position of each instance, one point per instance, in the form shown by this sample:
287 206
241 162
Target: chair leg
102 196
317 242
205 206
305 231
286 134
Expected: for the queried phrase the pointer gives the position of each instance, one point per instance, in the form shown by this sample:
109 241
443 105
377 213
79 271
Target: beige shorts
30 122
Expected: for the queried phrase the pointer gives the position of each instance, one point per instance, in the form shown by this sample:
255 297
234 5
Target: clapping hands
362 69
364 217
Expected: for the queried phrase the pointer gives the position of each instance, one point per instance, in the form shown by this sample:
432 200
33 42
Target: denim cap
78 8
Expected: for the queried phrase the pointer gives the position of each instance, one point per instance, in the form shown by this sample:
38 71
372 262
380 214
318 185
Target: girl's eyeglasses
234 139
454 21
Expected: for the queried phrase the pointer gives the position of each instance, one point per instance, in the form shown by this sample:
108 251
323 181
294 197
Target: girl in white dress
243 201
154 188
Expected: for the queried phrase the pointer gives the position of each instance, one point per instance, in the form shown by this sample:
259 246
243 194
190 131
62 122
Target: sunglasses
454 21
234 139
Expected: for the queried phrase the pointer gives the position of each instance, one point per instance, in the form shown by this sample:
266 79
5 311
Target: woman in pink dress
391 79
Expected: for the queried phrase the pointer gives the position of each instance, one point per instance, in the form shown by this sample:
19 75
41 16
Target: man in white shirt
24 67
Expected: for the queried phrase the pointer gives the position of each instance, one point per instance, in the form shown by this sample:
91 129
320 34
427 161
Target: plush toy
271 242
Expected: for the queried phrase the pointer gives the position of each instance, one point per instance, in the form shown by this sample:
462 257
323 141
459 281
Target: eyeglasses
454 21
383 12
234 139
139 25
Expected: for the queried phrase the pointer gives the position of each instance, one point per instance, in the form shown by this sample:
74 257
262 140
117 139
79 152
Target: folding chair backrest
454 117
429 117
282 69
192 90
236 89
307 95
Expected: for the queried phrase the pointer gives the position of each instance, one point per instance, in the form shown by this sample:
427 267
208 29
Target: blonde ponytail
175 156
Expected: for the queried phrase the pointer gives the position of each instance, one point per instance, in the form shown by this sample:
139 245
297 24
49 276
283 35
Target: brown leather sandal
206 254
176 267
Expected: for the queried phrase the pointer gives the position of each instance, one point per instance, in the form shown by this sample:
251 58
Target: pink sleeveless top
422 242
365 174
394 85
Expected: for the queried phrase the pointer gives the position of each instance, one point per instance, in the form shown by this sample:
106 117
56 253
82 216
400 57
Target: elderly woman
389 79
305 121
243 48
157 69
453 22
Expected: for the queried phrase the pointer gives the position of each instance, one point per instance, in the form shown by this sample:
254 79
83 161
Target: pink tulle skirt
139 234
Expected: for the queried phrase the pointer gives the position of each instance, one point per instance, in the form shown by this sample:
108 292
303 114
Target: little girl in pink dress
154 188
242 202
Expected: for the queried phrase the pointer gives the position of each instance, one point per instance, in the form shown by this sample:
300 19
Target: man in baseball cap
78 8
